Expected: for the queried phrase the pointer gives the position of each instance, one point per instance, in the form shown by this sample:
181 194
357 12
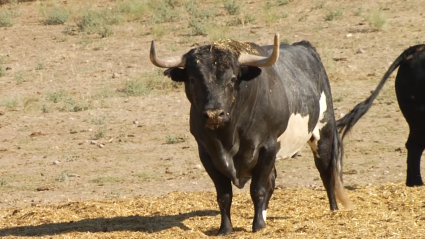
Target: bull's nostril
221 113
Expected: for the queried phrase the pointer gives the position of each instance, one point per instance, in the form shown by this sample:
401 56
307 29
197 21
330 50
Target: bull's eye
191 81
234 79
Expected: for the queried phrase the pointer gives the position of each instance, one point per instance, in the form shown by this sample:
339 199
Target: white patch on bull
316 132
264 215
294 137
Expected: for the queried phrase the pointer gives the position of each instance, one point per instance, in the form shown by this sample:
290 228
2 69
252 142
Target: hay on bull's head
235 47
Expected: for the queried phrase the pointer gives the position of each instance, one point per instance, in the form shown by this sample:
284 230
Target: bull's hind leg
262 185
322 151
223 186
415 146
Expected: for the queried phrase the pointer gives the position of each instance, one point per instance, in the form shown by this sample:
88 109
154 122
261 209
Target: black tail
347 122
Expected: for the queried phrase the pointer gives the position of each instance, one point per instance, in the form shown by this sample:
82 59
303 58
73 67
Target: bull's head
212 75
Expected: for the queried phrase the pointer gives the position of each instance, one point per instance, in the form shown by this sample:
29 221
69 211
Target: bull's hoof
258 226
414 184
416 181
224 231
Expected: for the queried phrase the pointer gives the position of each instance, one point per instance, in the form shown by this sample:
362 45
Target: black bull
247 107
410 91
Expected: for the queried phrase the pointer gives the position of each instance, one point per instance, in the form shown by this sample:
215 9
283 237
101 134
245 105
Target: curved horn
261 61
176 61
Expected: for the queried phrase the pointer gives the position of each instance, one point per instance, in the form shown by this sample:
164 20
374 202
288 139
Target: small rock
135 122
73 175
349 35
8 68
360 51
56 162
198 166
93 142
341 115
101 145
115 75
385 172
40 189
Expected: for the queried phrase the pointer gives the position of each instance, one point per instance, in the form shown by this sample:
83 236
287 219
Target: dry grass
389 211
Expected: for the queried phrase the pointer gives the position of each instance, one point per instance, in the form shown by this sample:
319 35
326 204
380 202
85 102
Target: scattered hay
390 211
236 47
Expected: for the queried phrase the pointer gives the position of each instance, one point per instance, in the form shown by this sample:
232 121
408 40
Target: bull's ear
249 72
176 74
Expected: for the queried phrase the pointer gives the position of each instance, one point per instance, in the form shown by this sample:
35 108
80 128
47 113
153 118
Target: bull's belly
294 137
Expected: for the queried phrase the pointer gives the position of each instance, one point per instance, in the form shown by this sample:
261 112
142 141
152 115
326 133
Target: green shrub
233 7
333 15
136 87
319 5
56 16
198 27
99 22
171 139
100 133
10 103
377 20
6 18
201 13
134 9
56 96
2 70
164 13
282 2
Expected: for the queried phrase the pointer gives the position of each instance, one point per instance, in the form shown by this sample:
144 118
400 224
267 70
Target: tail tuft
339 192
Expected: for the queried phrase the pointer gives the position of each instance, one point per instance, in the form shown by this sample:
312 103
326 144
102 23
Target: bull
410 92
248 106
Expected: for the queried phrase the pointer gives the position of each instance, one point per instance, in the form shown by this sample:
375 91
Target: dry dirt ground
69 133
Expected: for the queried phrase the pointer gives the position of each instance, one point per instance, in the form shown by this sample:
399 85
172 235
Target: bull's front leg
262 185
223 186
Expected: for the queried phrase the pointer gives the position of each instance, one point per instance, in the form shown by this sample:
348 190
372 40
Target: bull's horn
261 61
176 61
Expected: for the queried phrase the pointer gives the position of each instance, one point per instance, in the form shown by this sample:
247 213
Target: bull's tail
337 155
348 121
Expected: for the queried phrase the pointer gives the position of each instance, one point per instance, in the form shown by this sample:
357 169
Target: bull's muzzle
215 118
